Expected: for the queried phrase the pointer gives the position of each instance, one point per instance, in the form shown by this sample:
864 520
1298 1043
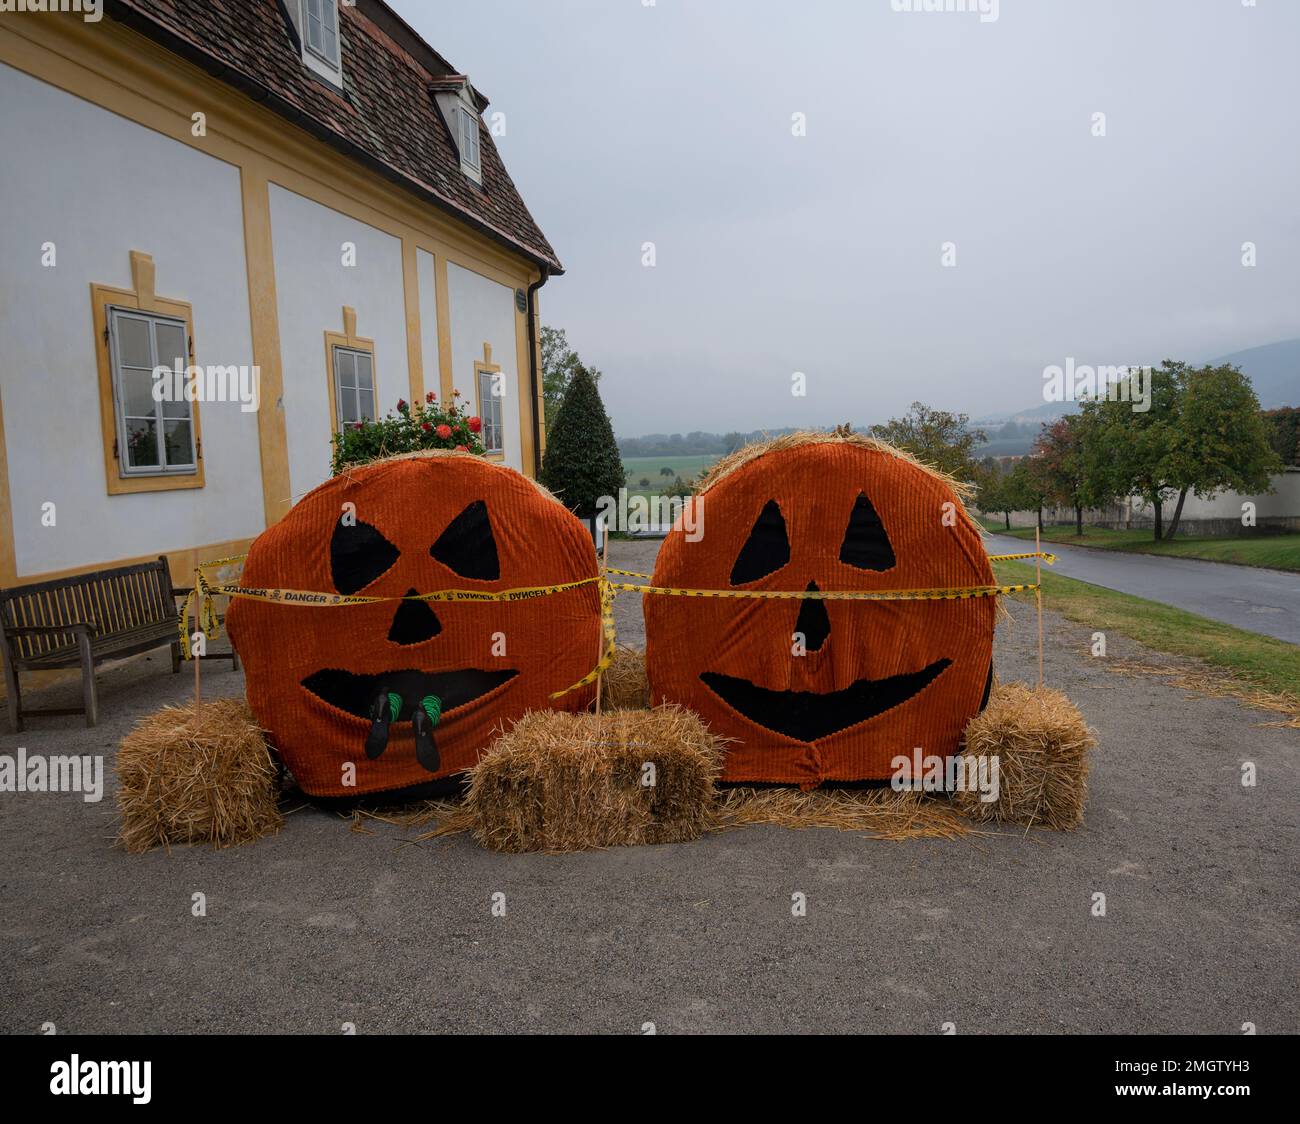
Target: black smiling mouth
809 715
354 693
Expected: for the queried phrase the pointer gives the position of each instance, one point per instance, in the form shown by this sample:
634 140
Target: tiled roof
386 117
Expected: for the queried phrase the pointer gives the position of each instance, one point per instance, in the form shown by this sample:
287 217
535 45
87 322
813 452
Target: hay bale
569 782
623 685
196 778
1041 742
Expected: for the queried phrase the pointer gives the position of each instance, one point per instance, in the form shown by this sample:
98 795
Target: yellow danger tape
208 623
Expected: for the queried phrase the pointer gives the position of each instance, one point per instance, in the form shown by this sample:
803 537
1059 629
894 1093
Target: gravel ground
318 927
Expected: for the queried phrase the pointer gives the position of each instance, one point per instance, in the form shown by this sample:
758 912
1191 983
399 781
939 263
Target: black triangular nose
414 622
813 622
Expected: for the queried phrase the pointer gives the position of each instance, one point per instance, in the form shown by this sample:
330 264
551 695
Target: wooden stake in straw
198 687
600 647
1038 598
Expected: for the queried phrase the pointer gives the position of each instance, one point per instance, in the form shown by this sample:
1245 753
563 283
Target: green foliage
582 462
426 425
936 437
1284 433
559 364
1203 434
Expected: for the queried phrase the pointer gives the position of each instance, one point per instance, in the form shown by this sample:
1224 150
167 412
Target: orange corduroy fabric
500 658
700 650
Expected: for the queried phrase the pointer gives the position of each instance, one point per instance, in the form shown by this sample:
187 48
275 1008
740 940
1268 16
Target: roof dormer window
469 138
460 107
316 34
323 31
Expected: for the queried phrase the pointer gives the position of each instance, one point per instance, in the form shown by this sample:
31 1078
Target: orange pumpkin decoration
875 678
344 689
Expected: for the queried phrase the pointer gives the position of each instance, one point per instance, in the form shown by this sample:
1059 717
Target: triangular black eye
467 545
358 555
766 550
866 545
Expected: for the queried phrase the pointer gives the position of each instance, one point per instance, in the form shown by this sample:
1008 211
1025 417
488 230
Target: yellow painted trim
348 338
540 403
442 296
142 298
414 341
526 404
8 561
264 328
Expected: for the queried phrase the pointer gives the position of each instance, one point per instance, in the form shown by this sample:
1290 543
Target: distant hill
1274 370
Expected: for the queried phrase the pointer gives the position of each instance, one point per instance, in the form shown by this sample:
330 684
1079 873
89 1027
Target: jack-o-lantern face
393 694
815 690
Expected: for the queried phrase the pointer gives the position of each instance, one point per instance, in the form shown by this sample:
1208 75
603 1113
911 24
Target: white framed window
354 385
469 138
489 411
321 30
154 438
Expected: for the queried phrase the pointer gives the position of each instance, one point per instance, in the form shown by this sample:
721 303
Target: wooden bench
84 620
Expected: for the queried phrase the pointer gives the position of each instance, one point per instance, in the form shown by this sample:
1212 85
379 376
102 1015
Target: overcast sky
672 124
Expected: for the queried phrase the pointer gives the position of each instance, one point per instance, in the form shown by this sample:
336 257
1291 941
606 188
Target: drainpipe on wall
535 374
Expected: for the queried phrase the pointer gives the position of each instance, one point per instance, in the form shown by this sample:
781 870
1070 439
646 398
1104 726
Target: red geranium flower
475 424
430 396
461 449
401 403
444 431
426 426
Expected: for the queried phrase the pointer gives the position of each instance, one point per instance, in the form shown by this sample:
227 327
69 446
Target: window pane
177 409
366 404
171 344
314 34
137 394
133 341
327 13
347 367
348 406
331 45
364 377
179 439
142 443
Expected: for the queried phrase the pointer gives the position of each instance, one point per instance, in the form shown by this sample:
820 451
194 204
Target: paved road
318 926
1264 601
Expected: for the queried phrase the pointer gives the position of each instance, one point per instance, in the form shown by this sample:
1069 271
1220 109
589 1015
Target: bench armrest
45 630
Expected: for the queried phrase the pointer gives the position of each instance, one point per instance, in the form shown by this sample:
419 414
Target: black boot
383 712
426 749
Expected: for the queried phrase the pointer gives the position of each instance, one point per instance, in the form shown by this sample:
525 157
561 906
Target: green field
638 468
1261 661
1275 552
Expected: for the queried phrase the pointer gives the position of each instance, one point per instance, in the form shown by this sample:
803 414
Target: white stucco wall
99 186
312 286
483 311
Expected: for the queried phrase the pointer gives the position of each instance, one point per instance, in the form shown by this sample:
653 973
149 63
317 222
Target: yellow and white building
303 187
